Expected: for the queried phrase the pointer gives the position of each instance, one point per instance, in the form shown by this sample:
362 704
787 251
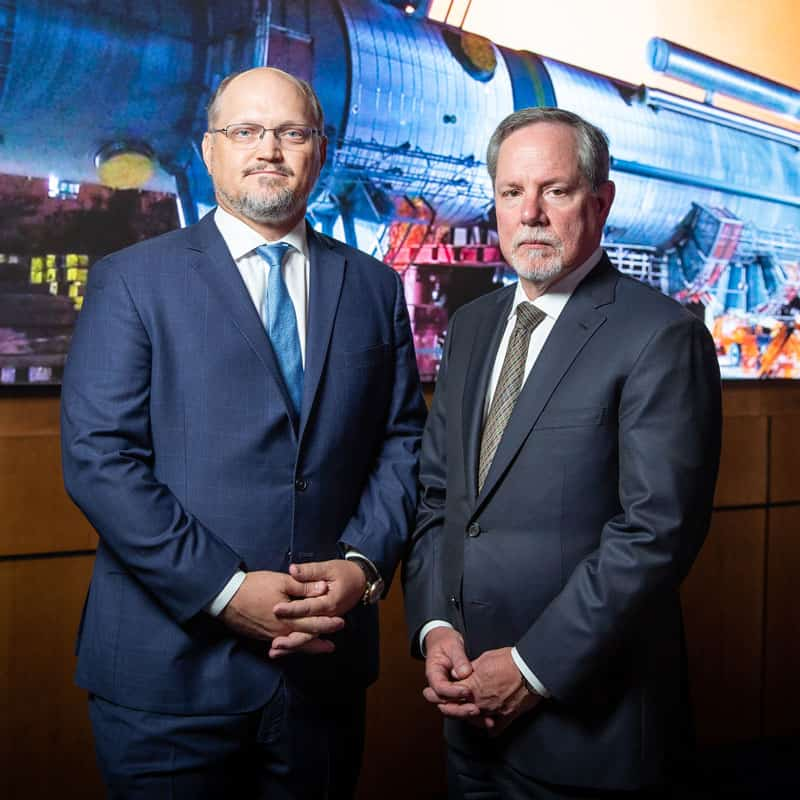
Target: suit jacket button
301 484
453 600
474 530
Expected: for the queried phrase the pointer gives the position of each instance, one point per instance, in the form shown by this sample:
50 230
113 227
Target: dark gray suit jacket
593 511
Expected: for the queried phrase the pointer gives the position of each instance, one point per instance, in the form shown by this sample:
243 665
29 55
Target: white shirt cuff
527 674
427 628
217 605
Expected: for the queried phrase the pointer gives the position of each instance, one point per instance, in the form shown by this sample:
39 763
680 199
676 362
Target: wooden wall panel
723 611
45 735
743 465
38 516
784 466
404 754
782 651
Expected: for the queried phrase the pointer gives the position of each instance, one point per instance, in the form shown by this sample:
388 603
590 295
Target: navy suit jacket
594 508
179 447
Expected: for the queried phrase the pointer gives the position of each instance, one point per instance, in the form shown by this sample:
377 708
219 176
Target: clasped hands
488 693
295 609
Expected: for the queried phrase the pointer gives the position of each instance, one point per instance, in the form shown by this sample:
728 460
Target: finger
296 609
292 641
459 710
461 666
299 643
312 571
295 588
317 625
432 697
439 680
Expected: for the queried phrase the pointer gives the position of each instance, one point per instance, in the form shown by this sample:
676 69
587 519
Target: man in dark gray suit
568 470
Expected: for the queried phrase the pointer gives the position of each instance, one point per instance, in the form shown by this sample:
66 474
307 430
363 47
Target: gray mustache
285 171
528 239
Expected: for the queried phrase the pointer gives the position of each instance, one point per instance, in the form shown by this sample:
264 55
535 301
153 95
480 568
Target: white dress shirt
242 241
552 303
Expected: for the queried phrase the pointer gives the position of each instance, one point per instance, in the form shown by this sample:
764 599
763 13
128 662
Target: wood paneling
723 610
784 465
760 398
743 465
46 743
45 732
38 516
782 652
404 754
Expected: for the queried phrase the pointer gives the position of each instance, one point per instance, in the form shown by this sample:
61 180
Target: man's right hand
250 611
446 663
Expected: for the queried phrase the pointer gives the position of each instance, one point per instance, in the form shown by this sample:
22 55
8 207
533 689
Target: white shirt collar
241 239
552 302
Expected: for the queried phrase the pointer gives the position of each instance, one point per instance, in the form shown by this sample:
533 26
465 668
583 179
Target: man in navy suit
241 417
567 472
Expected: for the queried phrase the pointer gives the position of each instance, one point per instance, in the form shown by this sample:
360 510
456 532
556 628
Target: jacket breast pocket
571 418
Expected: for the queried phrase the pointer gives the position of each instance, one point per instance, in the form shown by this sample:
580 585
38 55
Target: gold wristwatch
373 591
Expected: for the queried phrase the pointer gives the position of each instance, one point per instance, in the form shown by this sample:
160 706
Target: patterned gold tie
509 385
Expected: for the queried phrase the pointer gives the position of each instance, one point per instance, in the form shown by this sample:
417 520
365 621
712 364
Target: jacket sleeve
422 574
669 427
108 456
380 526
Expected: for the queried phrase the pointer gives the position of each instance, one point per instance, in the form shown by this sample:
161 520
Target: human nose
532 211
269 145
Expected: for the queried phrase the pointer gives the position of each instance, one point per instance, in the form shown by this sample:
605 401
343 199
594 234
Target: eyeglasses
247 135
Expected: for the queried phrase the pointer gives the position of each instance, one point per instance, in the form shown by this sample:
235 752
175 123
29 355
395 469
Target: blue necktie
280 321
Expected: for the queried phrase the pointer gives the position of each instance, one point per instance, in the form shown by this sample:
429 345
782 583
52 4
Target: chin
538 274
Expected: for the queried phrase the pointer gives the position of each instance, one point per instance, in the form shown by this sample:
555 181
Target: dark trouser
484 776
294 748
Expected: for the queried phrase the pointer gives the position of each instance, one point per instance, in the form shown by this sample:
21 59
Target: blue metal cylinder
713 75
409 119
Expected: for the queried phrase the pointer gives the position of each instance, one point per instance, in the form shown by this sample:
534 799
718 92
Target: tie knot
273 253
528 316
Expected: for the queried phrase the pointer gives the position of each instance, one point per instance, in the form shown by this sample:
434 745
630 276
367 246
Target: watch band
373 590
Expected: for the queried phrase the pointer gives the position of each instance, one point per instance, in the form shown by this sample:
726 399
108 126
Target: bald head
264 76
267 182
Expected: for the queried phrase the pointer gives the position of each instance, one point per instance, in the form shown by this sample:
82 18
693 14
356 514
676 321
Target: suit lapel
576 324
483 352
212 261
326 276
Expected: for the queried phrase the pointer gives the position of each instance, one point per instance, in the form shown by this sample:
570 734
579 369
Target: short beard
537 273
279 206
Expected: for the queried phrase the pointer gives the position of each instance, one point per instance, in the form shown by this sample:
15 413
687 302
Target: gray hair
593 157
314 106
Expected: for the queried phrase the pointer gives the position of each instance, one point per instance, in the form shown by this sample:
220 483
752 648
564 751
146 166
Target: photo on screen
101 116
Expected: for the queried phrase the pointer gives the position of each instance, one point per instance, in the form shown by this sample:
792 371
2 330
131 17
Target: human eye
556 192
293 134
243 133
510 191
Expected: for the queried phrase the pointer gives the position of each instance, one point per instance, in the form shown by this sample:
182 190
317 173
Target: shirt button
474 530
301 484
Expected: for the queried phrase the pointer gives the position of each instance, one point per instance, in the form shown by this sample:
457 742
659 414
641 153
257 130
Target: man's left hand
346 583
499 691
